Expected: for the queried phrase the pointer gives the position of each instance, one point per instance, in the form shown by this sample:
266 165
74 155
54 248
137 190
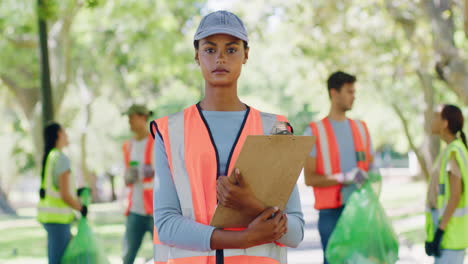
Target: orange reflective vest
328 158
193 161
147 182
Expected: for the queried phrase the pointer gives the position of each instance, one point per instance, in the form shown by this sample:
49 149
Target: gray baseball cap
221 22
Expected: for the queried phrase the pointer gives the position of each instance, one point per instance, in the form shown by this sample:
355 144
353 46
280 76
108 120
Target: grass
25 238
415 236
404 203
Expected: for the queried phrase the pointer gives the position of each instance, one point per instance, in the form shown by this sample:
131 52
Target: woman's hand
238 195
265 228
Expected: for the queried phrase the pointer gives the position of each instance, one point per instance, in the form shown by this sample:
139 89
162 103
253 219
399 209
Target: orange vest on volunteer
327 160
147 182
193 163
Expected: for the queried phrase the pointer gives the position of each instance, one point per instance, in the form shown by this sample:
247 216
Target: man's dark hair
338 79
196 44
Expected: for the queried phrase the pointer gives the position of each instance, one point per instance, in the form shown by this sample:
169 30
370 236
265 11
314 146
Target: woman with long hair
447 214
57 199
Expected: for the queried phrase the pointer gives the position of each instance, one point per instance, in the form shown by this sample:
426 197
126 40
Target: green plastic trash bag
84 248
363 234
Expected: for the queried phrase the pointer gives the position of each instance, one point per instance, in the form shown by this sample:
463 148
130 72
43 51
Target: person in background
447 199
195 152
57 193
341 156
139 174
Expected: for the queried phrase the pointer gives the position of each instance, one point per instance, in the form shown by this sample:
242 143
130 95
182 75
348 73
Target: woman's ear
246 55
196 57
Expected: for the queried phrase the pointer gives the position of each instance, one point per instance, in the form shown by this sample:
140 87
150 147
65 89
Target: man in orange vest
139 174
341 156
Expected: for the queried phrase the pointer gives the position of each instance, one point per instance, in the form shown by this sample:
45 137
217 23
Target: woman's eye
231 50
209 50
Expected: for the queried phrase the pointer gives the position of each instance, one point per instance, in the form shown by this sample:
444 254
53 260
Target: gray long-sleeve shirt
176 230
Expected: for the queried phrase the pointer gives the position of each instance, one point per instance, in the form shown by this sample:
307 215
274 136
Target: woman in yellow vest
57 200
197 148
447 214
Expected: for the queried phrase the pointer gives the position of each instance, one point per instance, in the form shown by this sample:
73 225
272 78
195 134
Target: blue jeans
135 229
326 224
447 256
58 236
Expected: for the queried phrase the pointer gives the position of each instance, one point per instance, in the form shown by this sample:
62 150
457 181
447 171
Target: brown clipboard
270 165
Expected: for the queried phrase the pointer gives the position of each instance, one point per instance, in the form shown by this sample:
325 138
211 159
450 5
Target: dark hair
338 79
196 44
455 120
50 140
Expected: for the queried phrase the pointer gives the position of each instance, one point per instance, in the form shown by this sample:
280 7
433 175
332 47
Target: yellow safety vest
456 234
52 208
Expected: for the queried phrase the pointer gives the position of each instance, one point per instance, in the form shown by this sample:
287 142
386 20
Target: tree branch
413 147
450 66
60 34
23 42
27 97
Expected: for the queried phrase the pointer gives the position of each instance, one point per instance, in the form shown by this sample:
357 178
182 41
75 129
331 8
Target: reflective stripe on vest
265 254
328 158
456 233
193 161
147 182
52 208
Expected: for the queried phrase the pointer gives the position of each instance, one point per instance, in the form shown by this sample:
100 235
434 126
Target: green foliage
117 52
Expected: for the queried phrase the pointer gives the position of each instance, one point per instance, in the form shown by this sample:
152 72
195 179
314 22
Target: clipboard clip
282 128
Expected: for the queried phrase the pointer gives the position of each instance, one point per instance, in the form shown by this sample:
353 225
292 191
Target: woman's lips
220 71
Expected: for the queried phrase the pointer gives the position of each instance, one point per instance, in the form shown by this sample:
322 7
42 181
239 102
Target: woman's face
220 58
438 123
62 140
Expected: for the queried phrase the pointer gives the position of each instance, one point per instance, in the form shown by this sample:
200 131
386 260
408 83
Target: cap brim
227 31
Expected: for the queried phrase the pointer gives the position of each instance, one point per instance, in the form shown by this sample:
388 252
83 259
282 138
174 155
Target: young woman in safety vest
447 214
57 200
195 149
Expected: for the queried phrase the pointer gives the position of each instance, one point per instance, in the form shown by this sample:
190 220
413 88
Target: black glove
433 248
79 191
437 241
428 247
84 211
42 193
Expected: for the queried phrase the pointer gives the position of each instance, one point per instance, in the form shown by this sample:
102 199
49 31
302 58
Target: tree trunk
46 87
112 185
87 99
5 207
431 144
450 65
465 8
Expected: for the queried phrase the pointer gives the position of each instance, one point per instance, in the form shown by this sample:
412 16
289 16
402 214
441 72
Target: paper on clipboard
270 165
